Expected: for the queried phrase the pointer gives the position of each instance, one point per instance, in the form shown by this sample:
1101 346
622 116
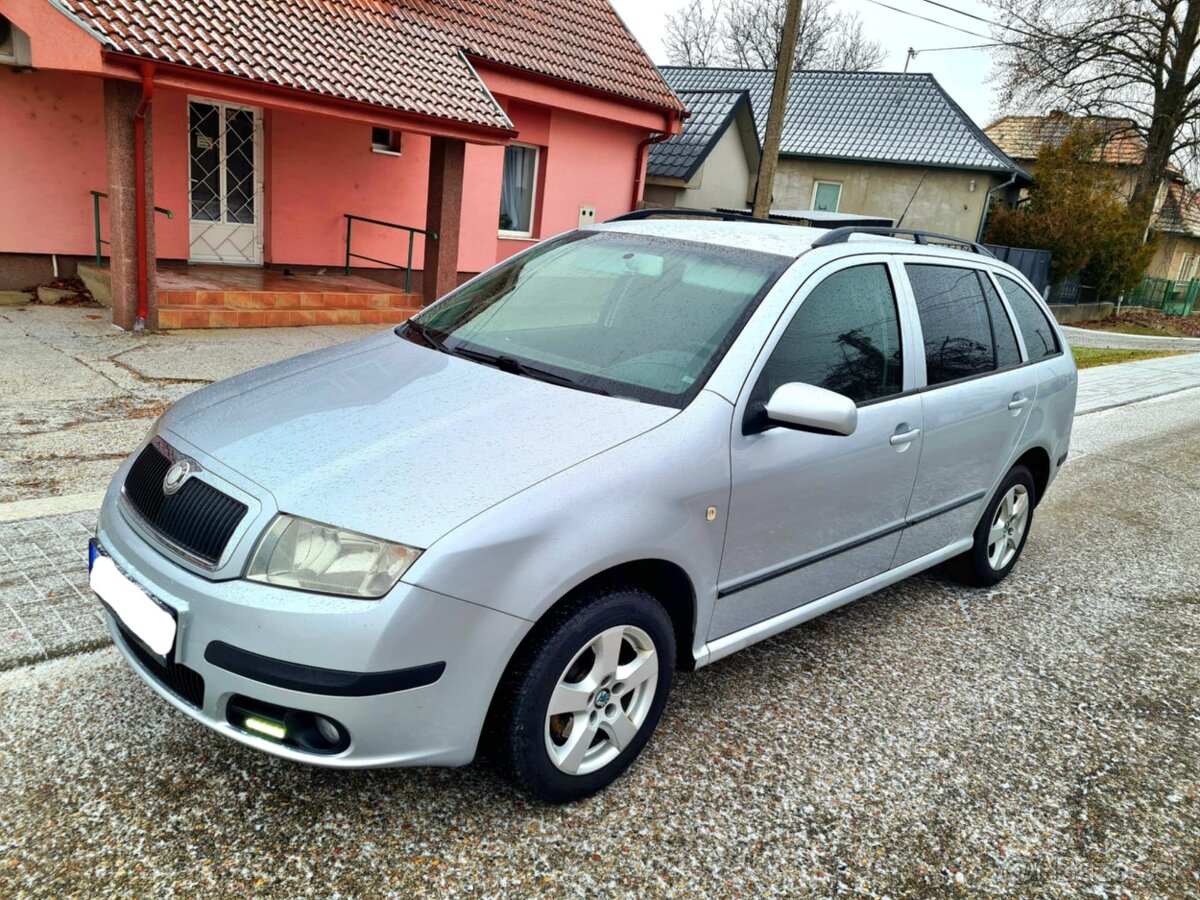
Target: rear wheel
1002 531
588 694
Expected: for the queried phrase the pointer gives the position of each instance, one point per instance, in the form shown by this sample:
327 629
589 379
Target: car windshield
624 314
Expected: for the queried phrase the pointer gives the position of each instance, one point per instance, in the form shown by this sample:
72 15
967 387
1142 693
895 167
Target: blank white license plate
153 625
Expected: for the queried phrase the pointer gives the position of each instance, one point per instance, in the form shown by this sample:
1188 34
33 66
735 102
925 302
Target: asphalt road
1037 739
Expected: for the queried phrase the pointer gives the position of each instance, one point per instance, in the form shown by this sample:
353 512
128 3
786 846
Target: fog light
264 727
328 730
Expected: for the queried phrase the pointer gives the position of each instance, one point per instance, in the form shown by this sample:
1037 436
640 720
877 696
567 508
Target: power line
905 12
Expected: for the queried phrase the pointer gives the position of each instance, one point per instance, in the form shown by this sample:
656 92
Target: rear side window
962 337
845 338
1040 339
1007 351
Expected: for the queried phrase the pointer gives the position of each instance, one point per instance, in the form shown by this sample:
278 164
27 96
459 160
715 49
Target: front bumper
411 629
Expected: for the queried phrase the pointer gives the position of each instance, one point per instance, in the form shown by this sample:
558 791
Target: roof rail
841 235
639 214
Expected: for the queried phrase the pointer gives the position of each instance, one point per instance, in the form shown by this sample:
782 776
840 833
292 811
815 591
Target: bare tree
1130 58
692 37
747 33
851 50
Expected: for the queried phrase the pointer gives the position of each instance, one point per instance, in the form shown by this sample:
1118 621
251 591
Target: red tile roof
400 54
1022 137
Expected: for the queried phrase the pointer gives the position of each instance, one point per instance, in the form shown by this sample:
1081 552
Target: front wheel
588 693
1001 533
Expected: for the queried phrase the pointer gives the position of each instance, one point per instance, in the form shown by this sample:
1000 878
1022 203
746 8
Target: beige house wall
1171 256
725 181
948 201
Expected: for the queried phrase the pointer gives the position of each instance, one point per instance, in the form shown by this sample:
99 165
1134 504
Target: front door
813 513
225 182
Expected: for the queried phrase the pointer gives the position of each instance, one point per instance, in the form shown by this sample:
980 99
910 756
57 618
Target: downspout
642 162
987 206
139 194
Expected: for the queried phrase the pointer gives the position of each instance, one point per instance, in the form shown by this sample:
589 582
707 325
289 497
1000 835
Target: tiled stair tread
172 317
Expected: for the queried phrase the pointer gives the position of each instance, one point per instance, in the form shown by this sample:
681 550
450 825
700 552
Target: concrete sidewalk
1104 387
78 394
1092 337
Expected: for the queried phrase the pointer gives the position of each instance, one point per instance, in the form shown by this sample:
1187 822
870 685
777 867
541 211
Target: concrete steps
243 297
172 317
274 309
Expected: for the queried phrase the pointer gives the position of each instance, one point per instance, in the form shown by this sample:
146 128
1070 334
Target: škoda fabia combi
629 451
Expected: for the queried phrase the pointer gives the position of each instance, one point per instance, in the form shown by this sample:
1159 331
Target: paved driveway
1038 738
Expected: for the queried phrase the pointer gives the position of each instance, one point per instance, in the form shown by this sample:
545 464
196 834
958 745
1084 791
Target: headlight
298 553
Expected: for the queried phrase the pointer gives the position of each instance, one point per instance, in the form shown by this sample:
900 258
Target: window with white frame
385 140
518 187
826 195
1187 267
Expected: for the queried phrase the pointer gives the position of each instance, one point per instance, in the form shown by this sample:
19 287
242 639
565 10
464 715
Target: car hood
396 440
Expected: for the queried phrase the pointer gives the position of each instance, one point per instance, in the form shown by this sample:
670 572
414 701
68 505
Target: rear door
976 395
812 513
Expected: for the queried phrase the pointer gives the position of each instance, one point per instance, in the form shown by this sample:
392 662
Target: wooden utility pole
779 96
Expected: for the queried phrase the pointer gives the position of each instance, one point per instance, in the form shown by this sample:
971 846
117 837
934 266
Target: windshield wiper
424 333
517 367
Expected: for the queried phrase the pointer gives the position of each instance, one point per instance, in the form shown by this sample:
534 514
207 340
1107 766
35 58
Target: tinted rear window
955 322
1040 339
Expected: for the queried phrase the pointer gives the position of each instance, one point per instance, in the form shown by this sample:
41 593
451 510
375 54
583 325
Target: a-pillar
443 215
121 101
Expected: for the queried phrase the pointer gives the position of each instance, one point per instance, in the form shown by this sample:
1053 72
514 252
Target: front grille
198 518
184 683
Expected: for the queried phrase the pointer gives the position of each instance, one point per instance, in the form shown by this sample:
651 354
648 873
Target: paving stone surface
46 607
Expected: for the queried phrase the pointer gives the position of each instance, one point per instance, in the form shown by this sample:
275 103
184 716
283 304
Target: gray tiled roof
871 116
711 113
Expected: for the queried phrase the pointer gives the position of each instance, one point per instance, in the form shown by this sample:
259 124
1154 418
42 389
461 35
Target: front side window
1040 339
624 314
517 187
845 338
955 322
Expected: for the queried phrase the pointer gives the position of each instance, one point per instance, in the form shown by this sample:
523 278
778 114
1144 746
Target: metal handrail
412 233
96 195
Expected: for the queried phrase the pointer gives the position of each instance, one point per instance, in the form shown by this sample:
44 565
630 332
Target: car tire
1002 531
582 659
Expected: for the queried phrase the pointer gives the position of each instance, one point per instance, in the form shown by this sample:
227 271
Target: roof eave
381 115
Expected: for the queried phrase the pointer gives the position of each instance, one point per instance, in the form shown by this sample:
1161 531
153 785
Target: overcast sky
963 73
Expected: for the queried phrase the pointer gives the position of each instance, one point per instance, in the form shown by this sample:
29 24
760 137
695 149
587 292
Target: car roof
781 239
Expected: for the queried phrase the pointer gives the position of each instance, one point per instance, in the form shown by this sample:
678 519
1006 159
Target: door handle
1018 402
905 437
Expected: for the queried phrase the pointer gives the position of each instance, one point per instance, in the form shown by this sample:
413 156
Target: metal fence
1176 298
1033 264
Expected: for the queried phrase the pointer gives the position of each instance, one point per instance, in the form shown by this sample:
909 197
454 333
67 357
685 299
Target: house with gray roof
879 144
721 139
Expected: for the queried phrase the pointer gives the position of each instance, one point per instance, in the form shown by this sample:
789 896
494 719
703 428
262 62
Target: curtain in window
516 189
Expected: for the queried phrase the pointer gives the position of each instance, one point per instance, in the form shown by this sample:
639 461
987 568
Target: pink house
215 145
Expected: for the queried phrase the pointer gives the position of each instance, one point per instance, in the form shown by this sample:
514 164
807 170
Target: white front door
225 182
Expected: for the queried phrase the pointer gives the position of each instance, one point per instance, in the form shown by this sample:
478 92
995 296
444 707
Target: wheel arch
1037 461
665 580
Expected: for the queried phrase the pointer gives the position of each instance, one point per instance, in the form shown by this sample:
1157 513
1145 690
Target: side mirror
799 405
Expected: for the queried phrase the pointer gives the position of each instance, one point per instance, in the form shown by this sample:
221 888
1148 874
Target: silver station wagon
628 451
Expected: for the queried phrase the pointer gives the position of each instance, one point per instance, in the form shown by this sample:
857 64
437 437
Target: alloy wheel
601 700
1008 527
